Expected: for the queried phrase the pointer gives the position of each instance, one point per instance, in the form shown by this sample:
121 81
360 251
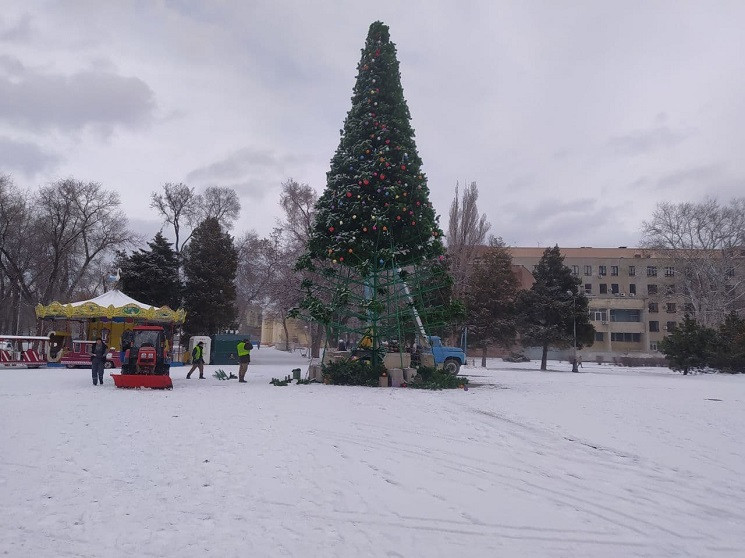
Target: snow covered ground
613 462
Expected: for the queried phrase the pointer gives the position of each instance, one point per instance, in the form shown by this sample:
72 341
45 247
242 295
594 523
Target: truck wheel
108 364
451 366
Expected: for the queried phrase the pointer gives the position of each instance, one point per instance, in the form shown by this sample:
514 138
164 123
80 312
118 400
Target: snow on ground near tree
615 462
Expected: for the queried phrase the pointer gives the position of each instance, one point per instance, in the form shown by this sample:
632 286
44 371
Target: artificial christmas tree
375 212
375 226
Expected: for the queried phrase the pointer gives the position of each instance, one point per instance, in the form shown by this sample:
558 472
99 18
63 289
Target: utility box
225 348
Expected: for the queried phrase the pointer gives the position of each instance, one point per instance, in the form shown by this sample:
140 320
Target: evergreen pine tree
210 264
152 276
689 346
547 312
729 345
375 212
490 300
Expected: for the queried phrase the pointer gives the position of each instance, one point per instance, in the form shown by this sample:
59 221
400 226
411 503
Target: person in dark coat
197 360
98 361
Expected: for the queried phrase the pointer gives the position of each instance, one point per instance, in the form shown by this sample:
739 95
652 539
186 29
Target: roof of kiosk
112 304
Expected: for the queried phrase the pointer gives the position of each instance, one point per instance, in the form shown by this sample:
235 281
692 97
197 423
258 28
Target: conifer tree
689 347
152 276
547 312
490 300
375 212
374 225
210 264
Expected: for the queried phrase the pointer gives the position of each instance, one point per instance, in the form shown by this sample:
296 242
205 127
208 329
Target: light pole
574 330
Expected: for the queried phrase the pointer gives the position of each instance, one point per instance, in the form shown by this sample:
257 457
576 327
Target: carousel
107 316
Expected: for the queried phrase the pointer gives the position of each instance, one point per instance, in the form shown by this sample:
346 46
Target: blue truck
448 358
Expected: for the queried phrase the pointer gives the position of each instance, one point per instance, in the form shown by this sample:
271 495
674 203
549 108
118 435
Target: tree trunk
544 357
287 333
316 339
483 357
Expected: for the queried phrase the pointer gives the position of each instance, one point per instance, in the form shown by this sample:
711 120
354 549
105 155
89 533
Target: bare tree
180 206
466 231
54 242
704 242
258 261
221 203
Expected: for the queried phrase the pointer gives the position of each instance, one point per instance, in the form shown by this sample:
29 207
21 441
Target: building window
623 315
632 288
654 326
614 270
626 337
602 270
670 289
588 270
670 326
730 272
652 289
669 271
689 308
603 288
671 308
600 315
632 270
651 271
614 288
588 288
653 346
599 336
575 270
653 308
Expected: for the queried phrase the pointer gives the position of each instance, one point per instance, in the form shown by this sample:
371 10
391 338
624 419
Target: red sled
142 381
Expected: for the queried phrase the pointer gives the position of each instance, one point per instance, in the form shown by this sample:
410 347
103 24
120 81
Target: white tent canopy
116 299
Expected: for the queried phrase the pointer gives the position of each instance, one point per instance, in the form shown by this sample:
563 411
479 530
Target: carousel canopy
110 305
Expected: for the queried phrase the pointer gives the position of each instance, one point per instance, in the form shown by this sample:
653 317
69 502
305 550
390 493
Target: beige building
633 296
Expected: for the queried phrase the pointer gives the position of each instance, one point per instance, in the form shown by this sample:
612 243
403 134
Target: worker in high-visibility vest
244 357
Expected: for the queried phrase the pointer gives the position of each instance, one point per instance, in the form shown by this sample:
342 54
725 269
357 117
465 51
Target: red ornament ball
331 229
349 194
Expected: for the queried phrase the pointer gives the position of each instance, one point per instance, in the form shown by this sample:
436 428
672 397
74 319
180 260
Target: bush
433 378
352 373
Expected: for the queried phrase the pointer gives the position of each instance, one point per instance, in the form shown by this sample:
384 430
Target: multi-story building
634 299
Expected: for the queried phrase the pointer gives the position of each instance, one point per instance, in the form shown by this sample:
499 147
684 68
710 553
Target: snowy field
613 462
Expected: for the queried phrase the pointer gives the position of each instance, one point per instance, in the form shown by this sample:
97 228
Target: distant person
579 361
197 359
98 361
258 344
244 358
342 345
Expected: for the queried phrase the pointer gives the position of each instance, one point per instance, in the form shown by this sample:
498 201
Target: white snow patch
613 462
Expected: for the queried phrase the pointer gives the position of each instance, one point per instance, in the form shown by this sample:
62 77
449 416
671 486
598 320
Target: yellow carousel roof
113 304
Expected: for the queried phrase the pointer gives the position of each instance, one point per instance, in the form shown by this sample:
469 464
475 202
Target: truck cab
448 358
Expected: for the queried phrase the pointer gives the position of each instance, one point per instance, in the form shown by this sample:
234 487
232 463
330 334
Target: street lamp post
574 330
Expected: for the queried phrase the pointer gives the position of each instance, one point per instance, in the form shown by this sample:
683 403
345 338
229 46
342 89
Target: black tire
451 366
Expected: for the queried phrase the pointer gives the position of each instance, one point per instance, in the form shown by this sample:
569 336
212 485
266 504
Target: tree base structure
151 381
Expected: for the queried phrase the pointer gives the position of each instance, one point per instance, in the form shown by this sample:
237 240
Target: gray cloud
41 101
645 141
28 158
700 176
18 32
250 172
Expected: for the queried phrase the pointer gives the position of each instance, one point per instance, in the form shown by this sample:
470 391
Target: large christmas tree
376 244
375 212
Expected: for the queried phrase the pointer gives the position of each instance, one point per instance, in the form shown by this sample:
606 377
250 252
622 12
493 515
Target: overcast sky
574 118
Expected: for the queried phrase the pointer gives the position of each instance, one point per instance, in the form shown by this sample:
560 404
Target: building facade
634 299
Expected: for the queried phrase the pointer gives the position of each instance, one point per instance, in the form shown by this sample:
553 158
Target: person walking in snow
98 360
244 358
197 359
